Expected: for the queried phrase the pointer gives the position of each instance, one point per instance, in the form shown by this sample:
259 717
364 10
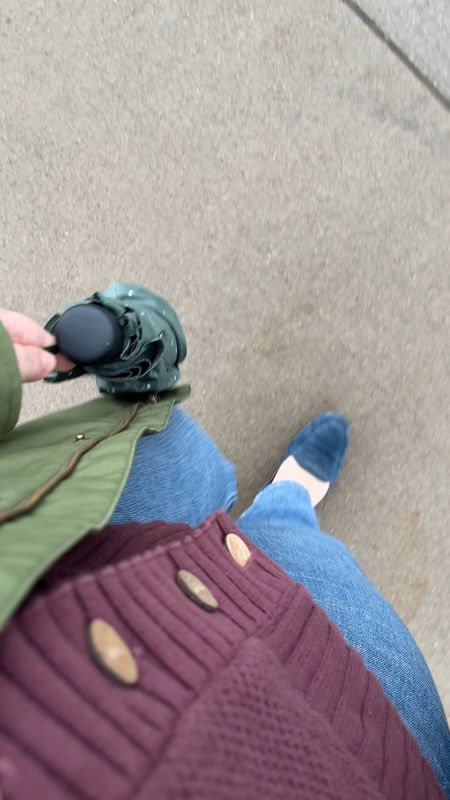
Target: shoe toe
321 446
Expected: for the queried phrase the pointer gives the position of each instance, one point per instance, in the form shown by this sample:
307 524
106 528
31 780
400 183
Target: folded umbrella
128 337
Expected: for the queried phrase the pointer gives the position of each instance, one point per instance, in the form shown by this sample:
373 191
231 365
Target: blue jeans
181 475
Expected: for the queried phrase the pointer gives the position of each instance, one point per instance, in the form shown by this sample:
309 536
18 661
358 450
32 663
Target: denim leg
282 522
178 475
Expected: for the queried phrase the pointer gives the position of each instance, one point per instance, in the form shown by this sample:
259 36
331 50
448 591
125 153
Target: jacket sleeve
10 385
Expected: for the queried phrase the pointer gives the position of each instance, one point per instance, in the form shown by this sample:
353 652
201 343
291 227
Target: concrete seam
375 28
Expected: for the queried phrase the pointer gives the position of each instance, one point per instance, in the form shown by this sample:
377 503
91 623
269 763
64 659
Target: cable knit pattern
261 699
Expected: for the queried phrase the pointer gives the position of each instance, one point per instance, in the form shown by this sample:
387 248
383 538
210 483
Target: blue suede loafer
321 446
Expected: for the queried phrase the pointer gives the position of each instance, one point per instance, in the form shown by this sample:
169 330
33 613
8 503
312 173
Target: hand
29 339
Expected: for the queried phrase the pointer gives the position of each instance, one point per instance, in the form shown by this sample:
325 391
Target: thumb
34 363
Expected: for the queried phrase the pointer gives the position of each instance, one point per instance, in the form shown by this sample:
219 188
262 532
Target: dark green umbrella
128 337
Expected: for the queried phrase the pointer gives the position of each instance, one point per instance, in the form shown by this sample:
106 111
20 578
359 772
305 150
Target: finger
24 330
63 363
34 363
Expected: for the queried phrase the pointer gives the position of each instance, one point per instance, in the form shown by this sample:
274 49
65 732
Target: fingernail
48 362
49 340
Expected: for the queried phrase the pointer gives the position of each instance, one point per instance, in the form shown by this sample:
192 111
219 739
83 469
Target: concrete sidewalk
419 32
281 177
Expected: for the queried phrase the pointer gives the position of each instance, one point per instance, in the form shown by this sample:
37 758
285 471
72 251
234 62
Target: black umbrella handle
88 334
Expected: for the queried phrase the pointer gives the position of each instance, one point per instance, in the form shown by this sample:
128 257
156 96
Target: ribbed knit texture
261 700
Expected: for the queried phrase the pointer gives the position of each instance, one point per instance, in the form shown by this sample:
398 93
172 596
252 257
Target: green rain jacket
62 475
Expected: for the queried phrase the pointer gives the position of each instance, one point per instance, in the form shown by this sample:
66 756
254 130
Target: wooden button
237 549
196 590
111 653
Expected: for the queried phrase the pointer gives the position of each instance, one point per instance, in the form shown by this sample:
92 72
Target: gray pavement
420 30
277 173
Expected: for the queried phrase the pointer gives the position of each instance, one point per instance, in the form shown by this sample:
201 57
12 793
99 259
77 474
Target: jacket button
111 653
196 590
237 549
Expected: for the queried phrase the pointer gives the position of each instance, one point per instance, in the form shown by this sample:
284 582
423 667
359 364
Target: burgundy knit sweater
261 699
